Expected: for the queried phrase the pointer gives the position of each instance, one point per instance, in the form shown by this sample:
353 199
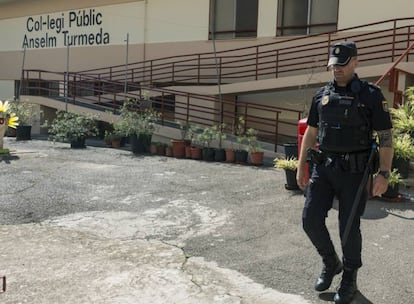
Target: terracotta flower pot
169 151
196 153
178 147
187 151
153 148
230 155
256 158
116 143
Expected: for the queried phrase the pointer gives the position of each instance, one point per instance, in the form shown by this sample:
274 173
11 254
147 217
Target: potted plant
290 165
394 182
168 151
116 139
195 149
219 135
28 115
179 145
108 138
254 147
161 148
403 116
72 127
206 137
403 151
138 124
241 153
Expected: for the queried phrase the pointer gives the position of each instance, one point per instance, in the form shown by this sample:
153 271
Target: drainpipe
144 52
213 38
67 79
22 75
126 65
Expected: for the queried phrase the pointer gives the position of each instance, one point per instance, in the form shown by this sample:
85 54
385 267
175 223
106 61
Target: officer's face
343 74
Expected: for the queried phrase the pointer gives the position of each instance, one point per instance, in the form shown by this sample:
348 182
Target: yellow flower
13 121
11 118
4 107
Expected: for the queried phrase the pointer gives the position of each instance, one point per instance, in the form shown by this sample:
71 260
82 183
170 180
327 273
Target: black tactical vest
343 123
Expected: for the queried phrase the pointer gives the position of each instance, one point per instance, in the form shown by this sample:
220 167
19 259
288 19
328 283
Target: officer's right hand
301 179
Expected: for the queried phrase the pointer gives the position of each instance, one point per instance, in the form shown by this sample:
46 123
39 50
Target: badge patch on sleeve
325 100
385 106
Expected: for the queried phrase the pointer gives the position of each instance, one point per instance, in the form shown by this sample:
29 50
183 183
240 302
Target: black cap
341 53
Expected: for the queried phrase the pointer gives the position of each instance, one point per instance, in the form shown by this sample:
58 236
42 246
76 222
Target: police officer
341 121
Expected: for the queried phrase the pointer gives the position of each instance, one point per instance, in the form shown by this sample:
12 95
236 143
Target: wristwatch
385 174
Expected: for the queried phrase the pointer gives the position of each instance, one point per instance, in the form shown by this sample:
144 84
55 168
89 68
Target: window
233 18
304 17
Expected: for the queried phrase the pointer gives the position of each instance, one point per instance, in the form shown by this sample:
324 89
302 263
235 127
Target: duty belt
353 162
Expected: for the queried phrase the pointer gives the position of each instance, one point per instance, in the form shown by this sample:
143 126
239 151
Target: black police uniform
345 118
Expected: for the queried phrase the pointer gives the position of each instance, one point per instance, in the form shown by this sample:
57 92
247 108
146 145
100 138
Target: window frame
308 27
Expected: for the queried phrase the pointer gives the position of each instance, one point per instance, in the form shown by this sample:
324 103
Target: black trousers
326 183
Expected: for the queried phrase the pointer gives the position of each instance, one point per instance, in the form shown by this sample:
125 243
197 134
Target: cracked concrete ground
101 225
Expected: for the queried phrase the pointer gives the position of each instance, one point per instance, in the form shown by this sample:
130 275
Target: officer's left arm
386 153
386 150
383 125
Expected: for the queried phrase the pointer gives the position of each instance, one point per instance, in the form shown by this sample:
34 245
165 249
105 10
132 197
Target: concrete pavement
102 225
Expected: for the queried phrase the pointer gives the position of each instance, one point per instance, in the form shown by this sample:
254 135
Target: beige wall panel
352 12
18 8
6 90
96 26
178 20
266 26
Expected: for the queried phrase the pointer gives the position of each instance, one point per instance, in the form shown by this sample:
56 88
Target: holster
315 156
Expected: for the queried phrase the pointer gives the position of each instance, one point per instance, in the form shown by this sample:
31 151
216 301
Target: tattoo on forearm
385 138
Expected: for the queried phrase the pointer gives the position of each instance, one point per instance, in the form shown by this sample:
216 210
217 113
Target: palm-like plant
403 116
286 163
403 145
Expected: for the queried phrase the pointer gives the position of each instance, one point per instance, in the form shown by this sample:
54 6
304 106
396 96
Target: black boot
348 287
331 266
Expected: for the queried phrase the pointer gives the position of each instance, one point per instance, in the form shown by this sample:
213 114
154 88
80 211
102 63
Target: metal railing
105 95
283 57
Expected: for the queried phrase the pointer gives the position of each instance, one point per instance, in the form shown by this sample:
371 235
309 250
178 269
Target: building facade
82 35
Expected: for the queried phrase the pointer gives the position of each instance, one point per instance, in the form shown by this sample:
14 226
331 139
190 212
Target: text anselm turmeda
73 28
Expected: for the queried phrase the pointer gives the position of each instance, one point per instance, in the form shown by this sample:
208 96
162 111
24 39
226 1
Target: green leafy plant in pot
179 145
220 136
240 131
254 147
194 135
28 114
206 137
72 127
139 124
403 116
